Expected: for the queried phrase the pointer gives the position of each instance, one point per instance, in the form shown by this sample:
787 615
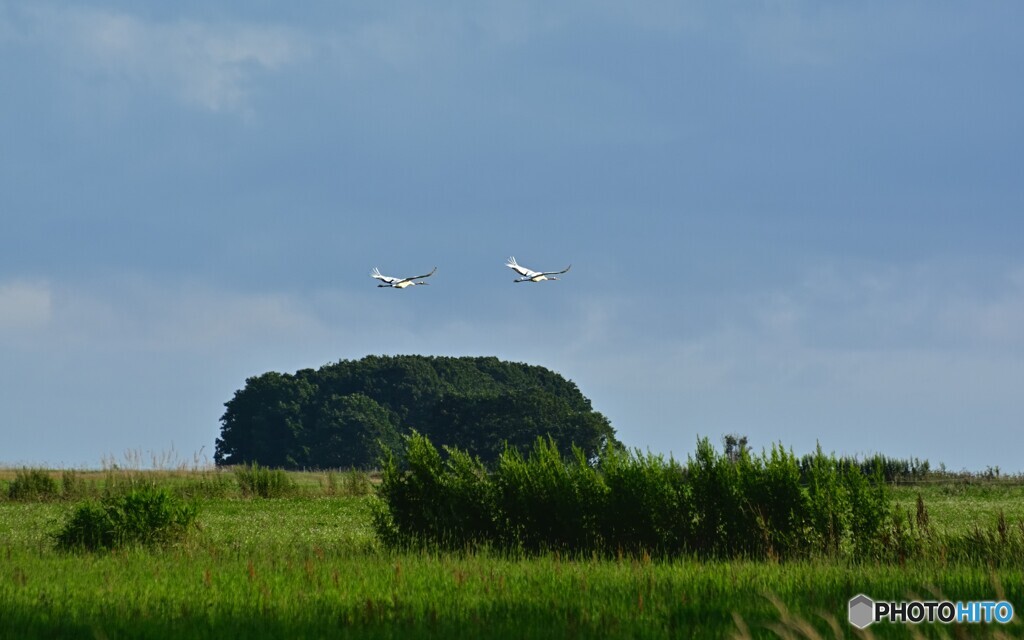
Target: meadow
308 564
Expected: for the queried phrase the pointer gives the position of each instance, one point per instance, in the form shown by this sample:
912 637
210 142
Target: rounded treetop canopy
346 414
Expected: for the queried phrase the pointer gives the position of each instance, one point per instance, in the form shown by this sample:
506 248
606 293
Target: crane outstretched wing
426 276
555 273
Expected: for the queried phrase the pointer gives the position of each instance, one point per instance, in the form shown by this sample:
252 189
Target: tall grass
353 483
236 579
33 484
262 482
40 485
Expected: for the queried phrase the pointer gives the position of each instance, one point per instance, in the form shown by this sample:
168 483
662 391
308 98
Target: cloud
207 66
217 66
24 305
138 318
863 358
144 315
948 307
991 322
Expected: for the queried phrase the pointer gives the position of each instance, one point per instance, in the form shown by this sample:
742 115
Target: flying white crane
529 275
398 283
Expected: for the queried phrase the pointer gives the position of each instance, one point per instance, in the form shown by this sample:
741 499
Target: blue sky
799 221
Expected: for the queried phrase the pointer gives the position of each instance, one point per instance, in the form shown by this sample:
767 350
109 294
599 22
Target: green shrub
777 520
469 498
33 484
829 503
145 516
717 525
546 502
716 505
648 507
870 506
90 527
262 482
446 503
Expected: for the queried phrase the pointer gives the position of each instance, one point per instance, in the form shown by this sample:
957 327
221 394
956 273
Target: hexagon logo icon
862 611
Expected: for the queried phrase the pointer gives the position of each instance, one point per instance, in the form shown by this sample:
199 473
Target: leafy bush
649 504
469 497
33 484
870 507
449 503
262 482
828 502
144 516
717 517
716 505
546 502
779 514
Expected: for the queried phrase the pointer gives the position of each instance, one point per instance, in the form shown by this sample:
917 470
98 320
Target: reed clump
33 485
262 482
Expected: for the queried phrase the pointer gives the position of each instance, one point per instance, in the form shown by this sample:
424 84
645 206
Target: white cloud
129 317
208 66
144 315
861 358
24 305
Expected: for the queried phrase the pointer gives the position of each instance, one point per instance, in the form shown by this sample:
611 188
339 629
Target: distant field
309 566
957 506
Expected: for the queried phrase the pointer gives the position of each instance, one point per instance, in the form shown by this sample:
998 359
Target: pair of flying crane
525 275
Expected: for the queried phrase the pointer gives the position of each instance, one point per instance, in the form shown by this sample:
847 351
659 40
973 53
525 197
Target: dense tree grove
342 414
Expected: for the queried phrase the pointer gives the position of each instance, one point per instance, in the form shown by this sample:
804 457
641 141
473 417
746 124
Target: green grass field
309 566
957 506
